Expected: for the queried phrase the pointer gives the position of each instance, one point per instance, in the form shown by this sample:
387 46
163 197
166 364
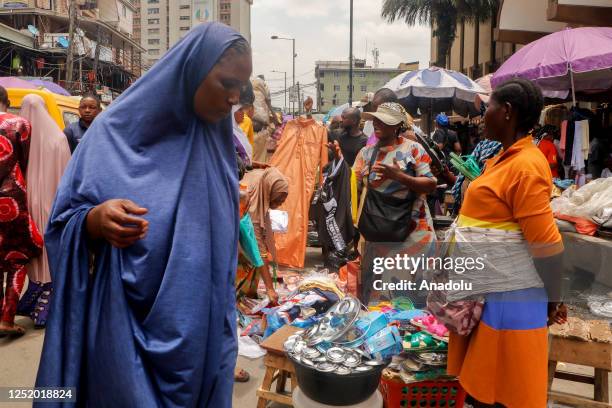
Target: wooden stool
278 368
591 354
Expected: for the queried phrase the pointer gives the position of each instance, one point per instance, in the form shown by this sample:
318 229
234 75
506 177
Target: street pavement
19 363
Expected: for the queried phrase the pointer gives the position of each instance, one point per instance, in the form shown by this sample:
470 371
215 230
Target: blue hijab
154 325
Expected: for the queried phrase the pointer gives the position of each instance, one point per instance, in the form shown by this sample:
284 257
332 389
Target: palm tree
442 15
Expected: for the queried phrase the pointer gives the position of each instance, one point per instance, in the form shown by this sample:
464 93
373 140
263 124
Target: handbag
460 316
385 218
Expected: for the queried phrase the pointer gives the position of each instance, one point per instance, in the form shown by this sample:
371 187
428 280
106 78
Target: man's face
88 109
347 121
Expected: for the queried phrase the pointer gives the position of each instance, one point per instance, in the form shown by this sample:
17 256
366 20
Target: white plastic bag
585 202
279 220
247 347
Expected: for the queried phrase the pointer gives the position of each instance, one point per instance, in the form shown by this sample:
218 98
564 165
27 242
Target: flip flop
242 377
419 340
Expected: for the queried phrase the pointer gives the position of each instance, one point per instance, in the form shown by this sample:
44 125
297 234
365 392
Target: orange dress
302 151
504 360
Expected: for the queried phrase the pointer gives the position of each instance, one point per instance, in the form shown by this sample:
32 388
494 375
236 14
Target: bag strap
372 162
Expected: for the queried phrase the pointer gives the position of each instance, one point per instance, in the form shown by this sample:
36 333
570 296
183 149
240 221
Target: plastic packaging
586 201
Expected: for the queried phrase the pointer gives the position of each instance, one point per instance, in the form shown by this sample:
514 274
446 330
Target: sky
321 30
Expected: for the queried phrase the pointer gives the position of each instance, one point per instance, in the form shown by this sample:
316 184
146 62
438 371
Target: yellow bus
63 109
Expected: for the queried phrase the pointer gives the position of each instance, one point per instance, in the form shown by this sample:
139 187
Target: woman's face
495 120
220 90
278 200
382 131
239 116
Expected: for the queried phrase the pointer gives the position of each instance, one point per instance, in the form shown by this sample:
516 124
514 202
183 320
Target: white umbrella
436 90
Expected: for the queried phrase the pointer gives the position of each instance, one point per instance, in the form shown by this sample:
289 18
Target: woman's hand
443 174
112 221
393 172
335 148
557 313
272 295
260 165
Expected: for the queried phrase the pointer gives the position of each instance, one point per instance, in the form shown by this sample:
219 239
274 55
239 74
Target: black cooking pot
336 389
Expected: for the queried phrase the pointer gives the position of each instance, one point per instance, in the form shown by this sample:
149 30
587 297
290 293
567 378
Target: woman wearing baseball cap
396 172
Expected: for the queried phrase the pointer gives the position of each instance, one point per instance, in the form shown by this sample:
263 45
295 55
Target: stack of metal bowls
329 373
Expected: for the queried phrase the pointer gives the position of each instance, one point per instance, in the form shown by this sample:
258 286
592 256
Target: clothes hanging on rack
334 213
302 151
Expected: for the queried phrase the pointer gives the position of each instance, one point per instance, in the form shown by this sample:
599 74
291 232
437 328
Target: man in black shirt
446 139
351 139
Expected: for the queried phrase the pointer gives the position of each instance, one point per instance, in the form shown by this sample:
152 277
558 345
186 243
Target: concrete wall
125 16
594 3
455 53
180 19
527 15
484 51
146 26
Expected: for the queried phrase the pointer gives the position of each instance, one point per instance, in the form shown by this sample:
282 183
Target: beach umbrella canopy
436 90
50 86
14 82
578 59
485 83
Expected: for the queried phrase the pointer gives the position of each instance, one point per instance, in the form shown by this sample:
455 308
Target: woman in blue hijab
152 194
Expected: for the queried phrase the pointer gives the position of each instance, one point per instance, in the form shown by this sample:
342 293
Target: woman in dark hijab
153 194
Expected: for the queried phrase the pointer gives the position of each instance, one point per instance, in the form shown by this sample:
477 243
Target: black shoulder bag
385 218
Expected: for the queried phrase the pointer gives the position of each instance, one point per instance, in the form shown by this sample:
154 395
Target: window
322 87
184 28
225 18
153 21
321 74
359 74
154 52
136 21
226 6
153 30
348 87
153 1
153 41
184 7
153 11
183 18
334 102
336 74
364 88
124 11
336 88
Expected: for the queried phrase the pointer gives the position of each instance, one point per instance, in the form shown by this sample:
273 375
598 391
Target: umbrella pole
573 87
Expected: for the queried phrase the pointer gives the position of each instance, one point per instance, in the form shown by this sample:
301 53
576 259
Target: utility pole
72 13
96 58
299 99
350 101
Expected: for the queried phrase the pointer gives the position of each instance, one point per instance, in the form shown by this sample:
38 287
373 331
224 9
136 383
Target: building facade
480 49
36 33
164 22
333 80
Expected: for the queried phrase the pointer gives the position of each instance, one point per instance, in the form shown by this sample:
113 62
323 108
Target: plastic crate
424 394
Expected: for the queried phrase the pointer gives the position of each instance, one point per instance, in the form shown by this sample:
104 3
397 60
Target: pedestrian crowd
135 254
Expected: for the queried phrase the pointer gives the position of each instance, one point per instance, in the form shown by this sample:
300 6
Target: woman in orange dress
504 360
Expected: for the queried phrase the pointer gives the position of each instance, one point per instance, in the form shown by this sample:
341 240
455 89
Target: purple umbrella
50 86
14 82
578 59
